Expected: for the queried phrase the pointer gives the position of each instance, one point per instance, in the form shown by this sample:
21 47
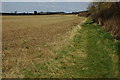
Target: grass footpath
92 52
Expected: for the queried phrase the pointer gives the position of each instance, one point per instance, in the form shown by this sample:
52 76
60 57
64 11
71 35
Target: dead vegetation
28 39
107 14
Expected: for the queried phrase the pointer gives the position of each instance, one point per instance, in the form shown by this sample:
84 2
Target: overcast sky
44 6
59 0
46 0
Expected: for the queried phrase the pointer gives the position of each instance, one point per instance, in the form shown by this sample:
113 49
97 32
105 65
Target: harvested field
28 39
57 46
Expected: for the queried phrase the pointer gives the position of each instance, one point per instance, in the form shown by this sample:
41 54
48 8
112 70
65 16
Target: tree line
106 14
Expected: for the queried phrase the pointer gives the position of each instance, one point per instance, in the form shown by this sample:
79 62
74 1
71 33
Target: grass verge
102 50
92 52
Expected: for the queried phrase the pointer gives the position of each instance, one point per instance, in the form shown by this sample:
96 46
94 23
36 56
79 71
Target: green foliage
87 55
89 21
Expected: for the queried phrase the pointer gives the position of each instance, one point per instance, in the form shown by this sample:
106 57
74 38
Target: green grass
92 52
100 46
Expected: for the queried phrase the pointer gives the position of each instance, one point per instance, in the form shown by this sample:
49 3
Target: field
57 46
28 39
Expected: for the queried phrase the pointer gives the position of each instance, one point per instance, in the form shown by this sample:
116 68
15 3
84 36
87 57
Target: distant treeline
106 14
38 13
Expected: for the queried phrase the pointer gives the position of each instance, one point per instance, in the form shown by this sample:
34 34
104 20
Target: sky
46 0
44 6
59 0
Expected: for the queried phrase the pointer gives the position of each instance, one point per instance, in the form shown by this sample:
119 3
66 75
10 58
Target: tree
35 12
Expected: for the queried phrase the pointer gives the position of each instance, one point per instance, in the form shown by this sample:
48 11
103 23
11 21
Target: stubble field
33 39
57 46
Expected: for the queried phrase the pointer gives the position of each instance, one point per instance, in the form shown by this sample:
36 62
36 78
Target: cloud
46 0
59 0
71 0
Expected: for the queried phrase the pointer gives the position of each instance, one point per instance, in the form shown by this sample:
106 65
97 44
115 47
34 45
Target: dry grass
28 39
